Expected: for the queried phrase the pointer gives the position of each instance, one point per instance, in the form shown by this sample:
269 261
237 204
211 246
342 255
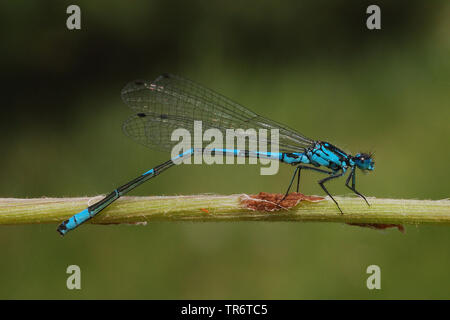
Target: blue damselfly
171 102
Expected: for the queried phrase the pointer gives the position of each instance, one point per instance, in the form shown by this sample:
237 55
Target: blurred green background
312 65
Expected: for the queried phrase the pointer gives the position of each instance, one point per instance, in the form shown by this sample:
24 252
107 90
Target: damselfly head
364 161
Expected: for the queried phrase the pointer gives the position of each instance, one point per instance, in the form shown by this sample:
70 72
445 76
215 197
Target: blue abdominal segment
295 158
74 221
148 172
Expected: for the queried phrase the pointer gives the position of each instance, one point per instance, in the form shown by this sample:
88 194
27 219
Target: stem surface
225 208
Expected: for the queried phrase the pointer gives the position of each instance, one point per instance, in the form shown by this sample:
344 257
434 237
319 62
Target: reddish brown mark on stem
379 226
264 201
269 202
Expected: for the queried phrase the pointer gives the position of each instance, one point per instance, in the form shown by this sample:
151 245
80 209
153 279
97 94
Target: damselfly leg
290 184
321 183
297 171
352 176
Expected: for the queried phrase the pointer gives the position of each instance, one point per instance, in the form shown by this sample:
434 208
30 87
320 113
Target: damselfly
171 102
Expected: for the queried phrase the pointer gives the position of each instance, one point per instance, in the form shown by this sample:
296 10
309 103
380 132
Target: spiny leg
298 178
321 183
298 169
352 175
290 184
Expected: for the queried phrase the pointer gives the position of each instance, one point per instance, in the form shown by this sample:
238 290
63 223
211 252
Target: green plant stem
224 208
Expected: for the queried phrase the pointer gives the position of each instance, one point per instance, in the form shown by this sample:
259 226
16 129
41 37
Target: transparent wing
171 102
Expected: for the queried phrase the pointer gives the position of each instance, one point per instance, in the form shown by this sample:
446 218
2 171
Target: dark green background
310 64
